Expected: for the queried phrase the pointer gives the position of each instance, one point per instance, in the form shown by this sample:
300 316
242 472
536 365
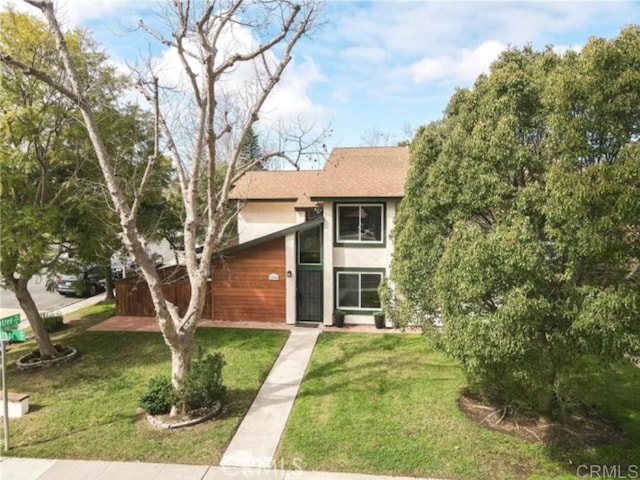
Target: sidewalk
36 469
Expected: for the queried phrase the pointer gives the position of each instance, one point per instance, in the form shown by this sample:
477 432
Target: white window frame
359 273
359 240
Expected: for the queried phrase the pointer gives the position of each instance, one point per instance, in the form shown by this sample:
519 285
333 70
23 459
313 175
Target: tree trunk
45 346
180 363
108 284
547 396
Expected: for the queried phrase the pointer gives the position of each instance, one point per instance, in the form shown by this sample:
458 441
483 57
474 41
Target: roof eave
265 199
330 198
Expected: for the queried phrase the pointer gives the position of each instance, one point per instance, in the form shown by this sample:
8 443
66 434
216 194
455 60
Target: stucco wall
352 257
257 219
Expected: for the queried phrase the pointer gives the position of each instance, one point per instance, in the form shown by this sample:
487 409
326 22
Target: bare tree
226 81
374 137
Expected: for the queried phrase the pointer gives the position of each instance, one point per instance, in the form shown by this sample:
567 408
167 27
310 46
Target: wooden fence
134 299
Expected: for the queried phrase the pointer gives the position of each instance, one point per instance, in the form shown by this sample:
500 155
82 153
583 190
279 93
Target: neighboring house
311 242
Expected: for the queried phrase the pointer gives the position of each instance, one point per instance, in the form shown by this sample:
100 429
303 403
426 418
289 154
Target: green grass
88 409
386 404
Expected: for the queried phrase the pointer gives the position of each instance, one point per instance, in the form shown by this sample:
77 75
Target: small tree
250 149
519 229
204 38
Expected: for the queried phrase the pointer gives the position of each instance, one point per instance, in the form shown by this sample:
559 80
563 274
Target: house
311 242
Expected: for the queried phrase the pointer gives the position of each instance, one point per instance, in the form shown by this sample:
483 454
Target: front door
309 295
309 275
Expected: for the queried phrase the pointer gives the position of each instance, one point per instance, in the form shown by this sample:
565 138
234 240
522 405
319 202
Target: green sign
13 336
10 321
18 336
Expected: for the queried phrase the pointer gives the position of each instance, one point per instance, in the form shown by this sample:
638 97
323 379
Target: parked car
86 283
124 266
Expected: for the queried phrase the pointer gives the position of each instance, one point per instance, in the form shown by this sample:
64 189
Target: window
310 246
358 290
360 223
311 213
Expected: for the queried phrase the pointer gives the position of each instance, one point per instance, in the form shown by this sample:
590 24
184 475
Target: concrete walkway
254 444
37 469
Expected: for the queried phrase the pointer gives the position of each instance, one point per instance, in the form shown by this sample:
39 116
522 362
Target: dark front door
309 295
309 283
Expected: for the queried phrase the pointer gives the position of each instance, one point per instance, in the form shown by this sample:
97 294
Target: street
46 301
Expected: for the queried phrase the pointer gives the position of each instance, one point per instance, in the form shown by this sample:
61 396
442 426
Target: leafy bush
159 395
52 321
203 386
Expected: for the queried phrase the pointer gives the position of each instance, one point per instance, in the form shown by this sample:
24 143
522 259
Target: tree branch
151 162
39 74
286 28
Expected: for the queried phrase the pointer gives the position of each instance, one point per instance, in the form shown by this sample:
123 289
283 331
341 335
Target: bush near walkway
387 404
88 409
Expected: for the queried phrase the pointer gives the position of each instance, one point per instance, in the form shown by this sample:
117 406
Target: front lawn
88 409
386 404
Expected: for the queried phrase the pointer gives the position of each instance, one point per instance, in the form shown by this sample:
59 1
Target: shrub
159 395
52 321
203 386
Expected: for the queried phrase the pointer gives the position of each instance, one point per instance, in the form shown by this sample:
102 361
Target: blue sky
387 66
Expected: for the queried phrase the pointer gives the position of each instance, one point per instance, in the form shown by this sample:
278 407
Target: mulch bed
576 430
33 360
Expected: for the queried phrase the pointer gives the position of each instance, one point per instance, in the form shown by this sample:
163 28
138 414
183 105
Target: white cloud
372 54
289 102
290 99
431 28
235 39
462 66
73 12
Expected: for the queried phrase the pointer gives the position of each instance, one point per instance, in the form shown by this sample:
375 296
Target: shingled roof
362 172
292 185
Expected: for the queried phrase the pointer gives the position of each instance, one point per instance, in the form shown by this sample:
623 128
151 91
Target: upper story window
362 223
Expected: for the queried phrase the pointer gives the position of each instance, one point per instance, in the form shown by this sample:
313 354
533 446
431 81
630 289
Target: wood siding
241 289
241 286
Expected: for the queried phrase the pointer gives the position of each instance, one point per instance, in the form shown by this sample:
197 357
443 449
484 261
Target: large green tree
53 195
520 226
42 159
